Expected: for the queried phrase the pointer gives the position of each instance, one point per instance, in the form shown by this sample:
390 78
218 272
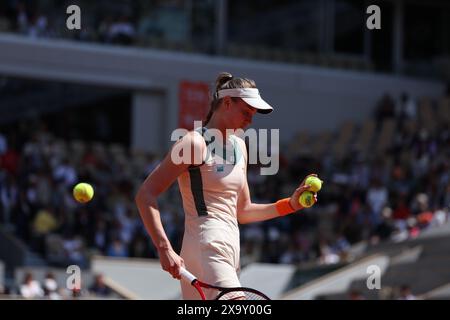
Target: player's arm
249 212
154 185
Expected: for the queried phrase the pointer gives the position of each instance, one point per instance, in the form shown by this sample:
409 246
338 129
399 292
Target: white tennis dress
211 239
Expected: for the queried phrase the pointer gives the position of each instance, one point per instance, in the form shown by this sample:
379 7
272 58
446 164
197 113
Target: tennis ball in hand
83 192
315 183
306 199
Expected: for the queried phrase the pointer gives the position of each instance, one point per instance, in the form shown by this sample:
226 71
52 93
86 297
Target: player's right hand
171 262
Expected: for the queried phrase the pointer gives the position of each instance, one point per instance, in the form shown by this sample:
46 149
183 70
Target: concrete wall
149 111
339 280
305 97
142 278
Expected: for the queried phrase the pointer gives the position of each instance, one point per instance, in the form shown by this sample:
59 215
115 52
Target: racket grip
186 275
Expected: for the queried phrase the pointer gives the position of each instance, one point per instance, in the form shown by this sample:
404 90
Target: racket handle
186 275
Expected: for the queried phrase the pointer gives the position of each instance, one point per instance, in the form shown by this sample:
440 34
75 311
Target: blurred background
367 110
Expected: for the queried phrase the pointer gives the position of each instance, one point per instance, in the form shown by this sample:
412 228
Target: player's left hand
296 195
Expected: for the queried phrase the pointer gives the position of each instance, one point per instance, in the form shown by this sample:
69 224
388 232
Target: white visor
250 96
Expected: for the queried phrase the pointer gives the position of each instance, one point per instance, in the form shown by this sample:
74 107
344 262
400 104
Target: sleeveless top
210 191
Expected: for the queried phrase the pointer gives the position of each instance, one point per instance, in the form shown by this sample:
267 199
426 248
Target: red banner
194 103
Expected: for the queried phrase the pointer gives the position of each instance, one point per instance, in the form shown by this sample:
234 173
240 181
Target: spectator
38 26
65 173
140 246
327 254
128 224
377 196
407 107
9 198
122 31
30 288
355 294
22 18
77 291
3 144
99 288
9 160
406 293
51 290
117 249
73 246
385 108
341 247
100 235
103 28
386 227
44 223
401 211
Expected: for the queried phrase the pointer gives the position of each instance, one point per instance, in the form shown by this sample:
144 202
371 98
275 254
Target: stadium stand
138 278
424 269
337 281
145 24
125 232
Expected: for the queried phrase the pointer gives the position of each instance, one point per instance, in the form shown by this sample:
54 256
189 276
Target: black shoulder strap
202 131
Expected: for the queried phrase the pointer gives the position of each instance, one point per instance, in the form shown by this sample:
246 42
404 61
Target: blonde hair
226 80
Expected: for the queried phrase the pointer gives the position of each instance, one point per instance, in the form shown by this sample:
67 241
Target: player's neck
218 124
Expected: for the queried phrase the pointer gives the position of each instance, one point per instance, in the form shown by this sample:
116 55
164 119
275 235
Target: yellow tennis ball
83 192
306 199
315 183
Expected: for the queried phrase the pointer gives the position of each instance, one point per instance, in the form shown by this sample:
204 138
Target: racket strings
241 295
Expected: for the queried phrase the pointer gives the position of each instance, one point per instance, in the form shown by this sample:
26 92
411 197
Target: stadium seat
99 150
443 111
4 24
321 143
366 135
427 115
77 150
344 137
410 126
116 149
386 136
60 147
299 144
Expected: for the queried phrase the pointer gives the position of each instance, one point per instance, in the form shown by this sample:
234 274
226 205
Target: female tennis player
215 193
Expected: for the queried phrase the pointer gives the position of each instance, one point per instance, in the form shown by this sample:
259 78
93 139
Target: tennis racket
224 293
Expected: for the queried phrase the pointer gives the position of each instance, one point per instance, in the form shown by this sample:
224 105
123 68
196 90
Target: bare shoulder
192 138
189 149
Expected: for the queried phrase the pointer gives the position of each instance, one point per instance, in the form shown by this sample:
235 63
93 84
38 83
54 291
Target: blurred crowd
52 289
392 197
118 22
37 175
402 292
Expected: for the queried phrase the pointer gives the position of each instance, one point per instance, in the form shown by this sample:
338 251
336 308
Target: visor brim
259 104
